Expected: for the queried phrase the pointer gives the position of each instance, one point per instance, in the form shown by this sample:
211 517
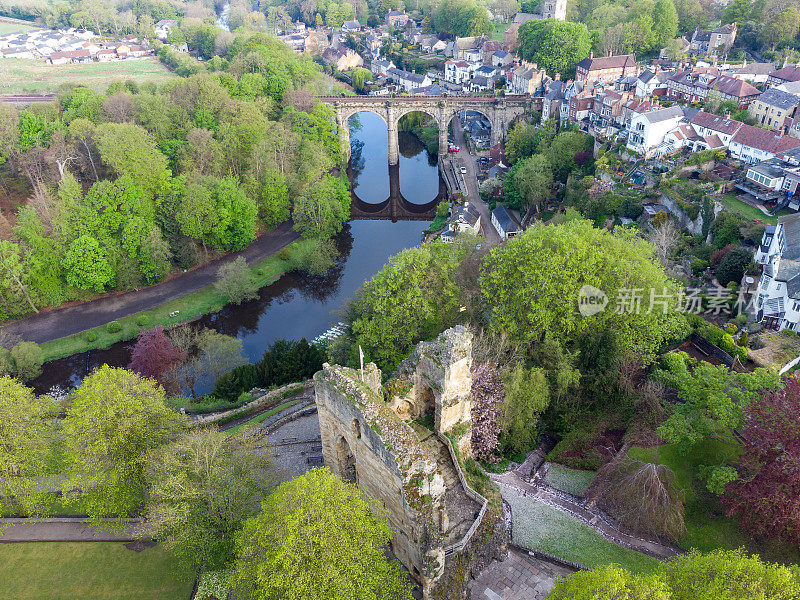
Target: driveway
471 181
61 322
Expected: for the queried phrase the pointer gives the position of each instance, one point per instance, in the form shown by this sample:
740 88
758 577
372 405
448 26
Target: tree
86 265
733 265
201 488
664 238
665 22
565 150
413 297
527 395
13 274
532 284
115 419
155 356
359 76
321 211
301 546
235 281
533 180
28 360
520 142
273 207
24 437
644 497
130 150
555 45
609 582
781 29
219 353
765 498
487 410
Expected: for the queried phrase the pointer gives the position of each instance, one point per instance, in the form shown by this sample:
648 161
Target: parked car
453 149
463 170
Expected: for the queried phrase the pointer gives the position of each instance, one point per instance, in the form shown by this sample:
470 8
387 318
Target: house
467 219
457 71
481 83
685 136
668 52
137 51
718 41
71 56
505 224
647 131
769 174
342 58
163 27
701 84
754 72
501 58
526 79
708 124
778 292
753 144
762 252
579 108
607 109
381 67
469 44
396 18
787 74
473 56
729 88
351 26
295 41
486 71
552 100
407 80
774 107
608 68
649 81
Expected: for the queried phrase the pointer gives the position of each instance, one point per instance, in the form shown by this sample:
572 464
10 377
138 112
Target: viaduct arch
500 111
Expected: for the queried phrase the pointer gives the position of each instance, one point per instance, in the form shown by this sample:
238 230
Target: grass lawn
197 303
499 30
546 529
261 417
734 205
96 570
571 481
9 27
21 75
707 527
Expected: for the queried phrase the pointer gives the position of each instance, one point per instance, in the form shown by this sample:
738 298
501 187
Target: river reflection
302 305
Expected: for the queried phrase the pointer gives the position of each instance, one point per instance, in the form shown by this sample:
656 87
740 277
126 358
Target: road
471 181
61 322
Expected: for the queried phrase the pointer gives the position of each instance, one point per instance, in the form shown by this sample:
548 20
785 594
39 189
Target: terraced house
774 108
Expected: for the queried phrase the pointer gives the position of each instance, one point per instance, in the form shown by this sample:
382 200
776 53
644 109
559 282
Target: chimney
727 114
786 60
745 63
558 76
591 55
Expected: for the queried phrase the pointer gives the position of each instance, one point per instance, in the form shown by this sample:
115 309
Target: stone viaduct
501 112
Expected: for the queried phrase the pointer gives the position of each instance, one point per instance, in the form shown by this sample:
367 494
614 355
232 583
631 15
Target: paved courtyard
518 577
298 447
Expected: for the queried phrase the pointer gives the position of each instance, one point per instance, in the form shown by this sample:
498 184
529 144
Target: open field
546 529
11 27
707 527
571 481
20 75
97 570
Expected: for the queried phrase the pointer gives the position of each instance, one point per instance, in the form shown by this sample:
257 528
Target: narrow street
471 180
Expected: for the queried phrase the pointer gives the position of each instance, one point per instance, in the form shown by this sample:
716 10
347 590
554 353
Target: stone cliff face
385 448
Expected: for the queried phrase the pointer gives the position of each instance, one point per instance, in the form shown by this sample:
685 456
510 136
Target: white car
463 170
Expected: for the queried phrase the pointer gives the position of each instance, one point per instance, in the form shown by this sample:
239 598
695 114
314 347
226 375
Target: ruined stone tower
398 442
555 9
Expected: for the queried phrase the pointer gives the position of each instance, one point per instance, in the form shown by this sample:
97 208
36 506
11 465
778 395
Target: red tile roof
609 62
715 123
787 73
763 139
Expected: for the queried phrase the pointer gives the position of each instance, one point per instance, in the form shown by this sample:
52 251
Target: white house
466 219
778 293
504 223
163 28
456 71
753 144
407 80
647 131
708 124
649 81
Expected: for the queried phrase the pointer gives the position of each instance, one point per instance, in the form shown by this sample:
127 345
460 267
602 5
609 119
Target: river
300 305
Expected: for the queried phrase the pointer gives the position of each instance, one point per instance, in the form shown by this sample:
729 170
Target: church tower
555 9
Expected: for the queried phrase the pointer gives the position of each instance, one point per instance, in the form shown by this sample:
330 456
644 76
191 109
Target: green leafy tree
201 489
86 265
235 281
14 275
533 180
322 209
413 297
733 265
555 45
527 395
533 282
301 546
521 142
609 582
28 360
564 151
273 207
25 434
665 22
360 76
130 150
115 419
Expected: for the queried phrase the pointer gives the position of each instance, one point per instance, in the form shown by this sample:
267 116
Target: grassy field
96 570
707 527
571 481
499 30
21 76
546 529
192 305
734 205
9 27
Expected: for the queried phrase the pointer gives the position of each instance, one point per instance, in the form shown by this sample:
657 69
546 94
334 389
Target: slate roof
779 98
522 17
504 218
716 123
791 232
608 62
657 116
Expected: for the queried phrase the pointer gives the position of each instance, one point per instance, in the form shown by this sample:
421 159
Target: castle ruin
400 442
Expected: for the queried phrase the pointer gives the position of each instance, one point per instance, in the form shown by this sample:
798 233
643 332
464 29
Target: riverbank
186 308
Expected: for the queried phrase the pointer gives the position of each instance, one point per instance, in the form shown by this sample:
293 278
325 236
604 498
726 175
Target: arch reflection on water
368 167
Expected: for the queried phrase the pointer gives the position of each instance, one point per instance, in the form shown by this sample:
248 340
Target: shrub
730 328
27 357
698 266
142 320
91 336
742 341
113 327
